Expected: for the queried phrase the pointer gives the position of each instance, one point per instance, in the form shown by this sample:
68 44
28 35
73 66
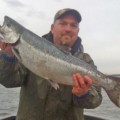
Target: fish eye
8 25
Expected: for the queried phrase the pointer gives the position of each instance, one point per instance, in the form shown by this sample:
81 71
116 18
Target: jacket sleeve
12 74
93 98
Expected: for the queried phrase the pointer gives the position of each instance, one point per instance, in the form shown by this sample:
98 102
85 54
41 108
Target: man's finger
2 45
80 80
75 81
88 81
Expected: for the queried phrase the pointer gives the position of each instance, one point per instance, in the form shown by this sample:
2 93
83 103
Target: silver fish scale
49 48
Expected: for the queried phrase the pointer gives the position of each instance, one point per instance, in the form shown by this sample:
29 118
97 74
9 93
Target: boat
87 117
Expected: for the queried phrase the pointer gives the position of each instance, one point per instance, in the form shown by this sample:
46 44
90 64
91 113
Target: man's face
65 31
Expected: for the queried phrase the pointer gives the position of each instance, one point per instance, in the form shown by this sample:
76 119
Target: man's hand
6 48
81 84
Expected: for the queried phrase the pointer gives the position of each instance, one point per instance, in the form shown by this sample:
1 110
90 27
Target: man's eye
74 25
63 24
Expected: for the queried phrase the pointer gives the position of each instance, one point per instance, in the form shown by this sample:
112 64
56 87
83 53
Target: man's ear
78 30
52 26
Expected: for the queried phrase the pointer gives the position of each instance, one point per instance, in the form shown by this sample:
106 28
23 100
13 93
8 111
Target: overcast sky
99 29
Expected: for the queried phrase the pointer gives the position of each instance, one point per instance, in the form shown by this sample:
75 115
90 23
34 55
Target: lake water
9 99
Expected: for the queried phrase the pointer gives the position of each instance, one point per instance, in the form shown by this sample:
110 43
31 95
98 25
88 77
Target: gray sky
99 29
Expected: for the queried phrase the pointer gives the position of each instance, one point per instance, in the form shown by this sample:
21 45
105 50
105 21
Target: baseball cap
68 11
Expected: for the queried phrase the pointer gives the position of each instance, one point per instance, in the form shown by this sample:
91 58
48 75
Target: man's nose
68 28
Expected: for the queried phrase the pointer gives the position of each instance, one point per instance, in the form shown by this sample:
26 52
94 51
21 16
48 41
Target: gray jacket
39 101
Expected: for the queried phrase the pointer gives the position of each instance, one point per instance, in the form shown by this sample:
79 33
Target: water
106 110
9 99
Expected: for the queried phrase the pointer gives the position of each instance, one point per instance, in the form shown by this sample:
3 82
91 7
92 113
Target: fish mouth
1 36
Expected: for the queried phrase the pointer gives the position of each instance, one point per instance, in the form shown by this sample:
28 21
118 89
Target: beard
66 40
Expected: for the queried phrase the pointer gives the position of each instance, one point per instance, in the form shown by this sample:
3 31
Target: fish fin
54 84
65 49
17 54
114 77
114 94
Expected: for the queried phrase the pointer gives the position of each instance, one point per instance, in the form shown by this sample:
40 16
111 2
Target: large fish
46 60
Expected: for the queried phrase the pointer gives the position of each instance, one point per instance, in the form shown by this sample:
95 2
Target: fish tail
114 94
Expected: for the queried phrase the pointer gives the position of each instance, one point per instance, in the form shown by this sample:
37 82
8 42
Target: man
38 99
